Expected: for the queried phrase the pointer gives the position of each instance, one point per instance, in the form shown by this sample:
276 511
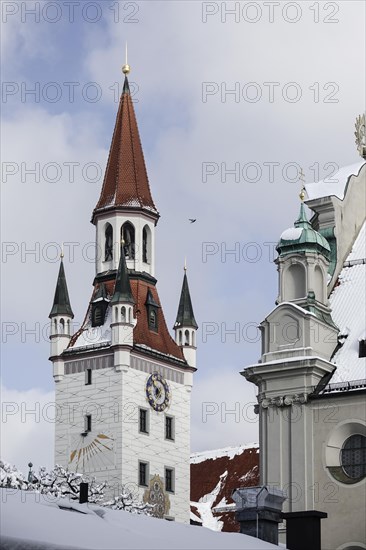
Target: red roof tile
125 182
159 340
242 471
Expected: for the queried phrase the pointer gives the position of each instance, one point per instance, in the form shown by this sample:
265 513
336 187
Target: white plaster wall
102 399
113 399
345 504
153 448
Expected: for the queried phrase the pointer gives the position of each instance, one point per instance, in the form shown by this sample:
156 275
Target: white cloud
223 411
27 427
172 52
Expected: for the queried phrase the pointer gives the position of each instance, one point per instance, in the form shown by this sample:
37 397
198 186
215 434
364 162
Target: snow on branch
62 483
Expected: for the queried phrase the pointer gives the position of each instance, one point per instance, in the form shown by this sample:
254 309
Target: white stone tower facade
123 385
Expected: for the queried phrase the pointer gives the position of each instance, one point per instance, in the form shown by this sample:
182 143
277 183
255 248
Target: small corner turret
123 321
185 326
61 316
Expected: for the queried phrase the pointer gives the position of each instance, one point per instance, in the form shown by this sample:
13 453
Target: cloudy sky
230 98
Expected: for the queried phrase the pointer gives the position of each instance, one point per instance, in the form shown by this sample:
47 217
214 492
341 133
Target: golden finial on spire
185 264
62 251
302 179
126 69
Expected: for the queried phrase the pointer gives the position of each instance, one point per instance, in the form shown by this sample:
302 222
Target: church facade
122 383
311 375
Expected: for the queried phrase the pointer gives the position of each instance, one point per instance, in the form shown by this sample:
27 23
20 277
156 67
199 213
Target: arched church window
123 314
146 245
295 283
353 457
108 250
186 338
128 238
180 337
318 284
62 324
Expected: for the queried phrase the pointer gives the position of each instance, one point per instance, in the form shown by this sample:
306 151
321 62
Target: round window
353 457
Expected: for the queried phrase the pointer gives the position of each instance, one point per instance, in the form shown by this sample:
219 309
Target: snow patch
335 185
229 452
292 234
24 517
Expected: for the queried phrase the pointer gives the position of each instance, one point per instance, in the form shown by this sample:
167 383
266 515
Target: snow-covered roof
334 185
229 452
348 303
35 518
95 335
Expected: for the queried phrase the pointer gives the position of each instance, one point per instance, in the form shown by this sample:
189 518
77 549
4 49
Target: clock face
158 392
92 451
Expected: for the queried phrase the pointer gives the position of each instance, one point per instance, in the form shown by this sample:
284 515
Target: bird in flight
191 220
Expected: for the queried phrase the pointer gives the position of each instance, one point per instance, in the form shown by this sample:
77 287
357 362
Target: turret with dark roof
185 315
122 289
61 301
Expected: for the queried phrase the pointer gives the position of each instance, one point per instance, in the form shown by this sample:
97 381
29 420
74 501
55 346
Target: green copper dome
302 238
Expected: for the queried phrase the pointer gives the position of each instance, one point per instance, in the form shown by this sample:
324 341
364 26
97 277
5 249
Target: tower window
88 422
146 244
362 348
143 421
88 377
97 316
186 338
169 480
353 457
152 319
108 250
128 238
169 428
143 473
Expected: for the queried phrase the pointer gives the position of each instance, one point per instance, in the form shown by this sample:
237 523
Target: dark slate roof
185 315
61 301
122 289
150 301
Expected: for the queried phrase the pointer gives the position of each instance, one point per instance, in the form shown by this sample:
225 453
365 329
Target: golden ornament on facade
360 135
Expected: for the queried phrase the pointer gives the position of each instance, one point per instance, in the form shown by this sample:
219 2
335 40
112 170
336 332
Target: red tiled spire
125 181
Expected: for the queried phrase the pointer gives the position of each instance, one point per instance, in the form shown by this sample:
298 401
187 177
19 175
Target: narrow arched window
55 324
128 238
180 337
108 250
295 282
186 338
62 324
146 244
123 314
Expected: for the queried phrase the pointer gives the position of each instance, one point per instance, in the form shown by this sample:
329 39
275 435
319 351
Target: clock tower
122 383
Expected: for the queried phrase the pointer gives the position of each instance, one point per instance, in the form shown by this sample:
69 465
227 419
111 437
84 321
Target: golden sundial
91 451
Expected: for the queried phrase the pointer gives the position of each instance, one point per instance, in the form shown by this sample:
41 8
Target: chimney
258 511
